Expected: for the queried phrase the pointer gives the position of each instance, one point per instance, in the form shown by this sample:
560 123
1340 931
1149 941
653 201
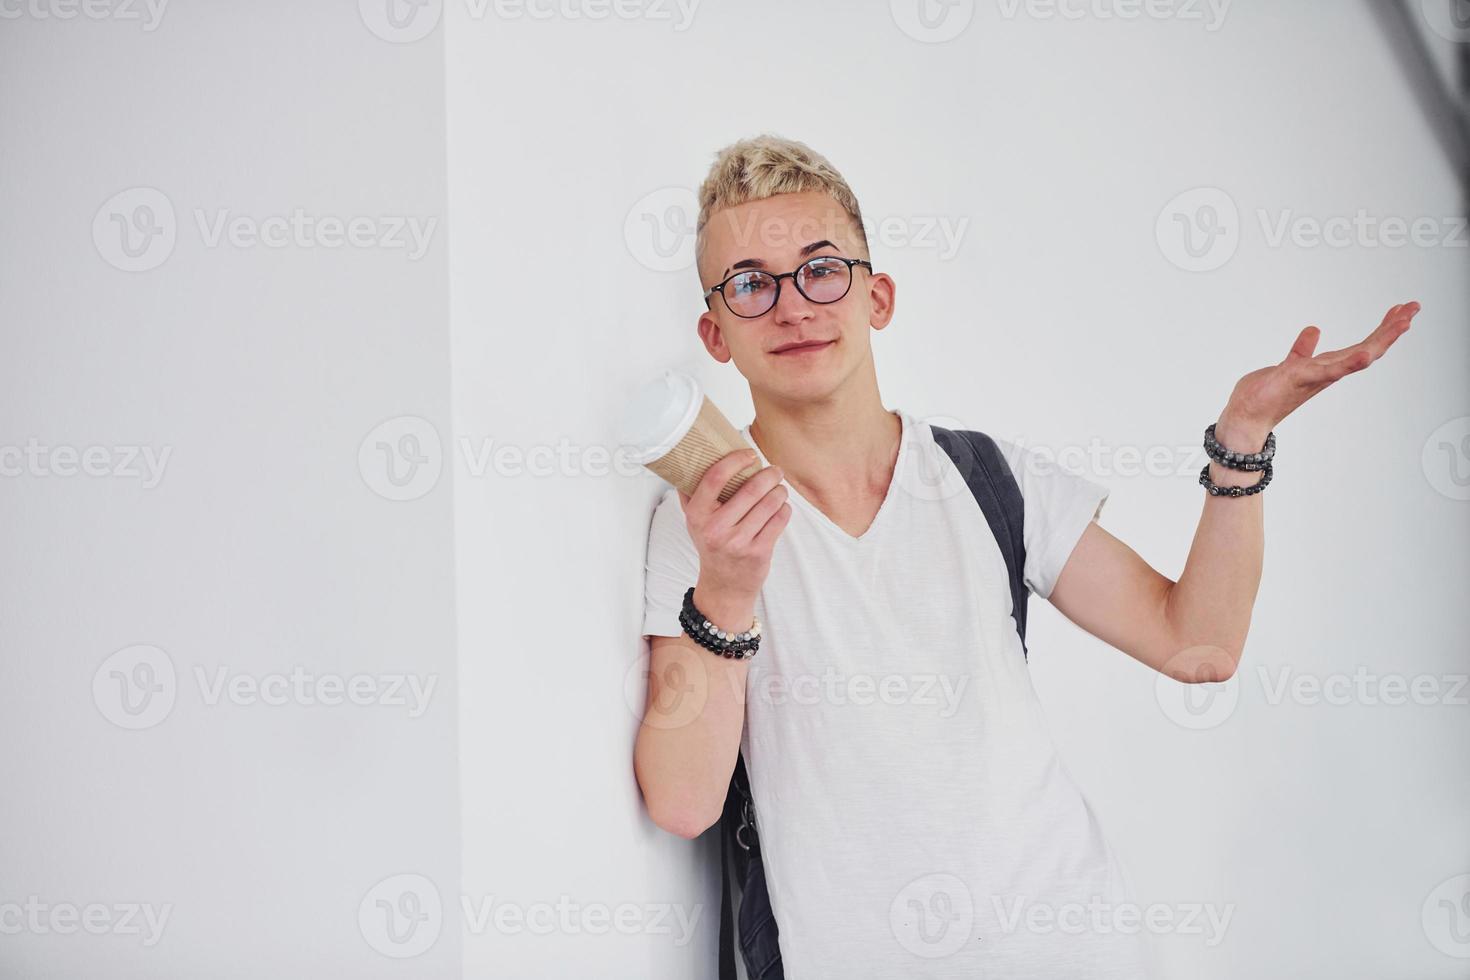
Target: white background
549 148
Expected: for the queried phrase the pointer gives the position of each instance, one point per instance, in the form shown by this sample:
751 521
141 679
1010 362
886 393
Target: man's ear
881 297
713 337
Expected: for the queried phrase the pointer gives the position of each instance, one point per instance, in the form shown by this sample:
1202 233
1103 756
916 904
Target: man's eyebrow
759 264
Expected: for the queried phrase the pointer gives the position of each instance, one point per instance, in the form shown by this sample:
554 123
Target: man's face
776 235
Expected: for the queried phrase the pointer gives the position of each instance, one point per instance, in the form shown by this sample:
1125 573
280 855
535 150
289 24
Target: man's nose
791 306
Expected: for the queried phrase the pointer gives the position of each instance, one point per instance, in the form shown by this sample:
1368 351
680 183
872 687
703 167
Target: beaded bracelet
1239 461
1218 491
733 646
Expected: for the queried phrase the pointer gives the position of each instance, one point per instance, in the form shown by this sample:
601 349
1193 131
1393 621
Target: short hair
763 166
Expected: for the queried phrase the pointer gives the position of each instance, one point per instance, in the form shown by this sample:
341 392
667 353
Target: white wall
283 382
1059 319
263 828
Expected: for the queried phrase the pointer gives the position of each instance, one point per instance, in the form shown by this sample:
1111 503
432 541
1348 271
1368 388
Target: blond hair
759 167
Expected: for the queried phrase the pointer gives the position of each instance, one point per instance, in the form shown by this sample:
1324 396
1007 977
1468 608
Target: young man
913 814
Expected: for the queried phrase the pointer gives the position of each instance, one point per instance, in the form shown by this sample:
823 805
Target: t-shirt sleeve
671 567
1059 504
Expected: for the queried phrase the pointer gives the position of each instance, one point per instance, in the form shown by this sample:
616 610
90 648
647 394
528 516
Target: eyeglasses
823 279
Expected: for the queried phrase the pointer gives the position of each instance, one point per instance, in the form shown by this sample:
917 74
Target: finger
775 525
706 495
1392 328
741 501
754 520
1322 371
1306 342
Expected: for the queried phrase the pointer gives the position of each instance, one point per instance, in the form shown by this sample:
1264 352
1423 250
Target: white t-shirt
914 816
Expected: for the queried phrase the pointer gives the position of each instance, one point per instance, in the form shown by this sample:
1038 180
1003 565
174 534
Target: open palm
1267 396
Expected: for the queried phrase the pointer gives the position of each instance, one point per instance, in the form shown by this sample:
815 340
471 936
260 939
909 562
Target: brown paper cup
708 440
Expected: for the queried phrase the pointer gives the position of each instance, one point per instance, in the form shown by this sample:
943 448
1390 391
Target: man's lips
805 348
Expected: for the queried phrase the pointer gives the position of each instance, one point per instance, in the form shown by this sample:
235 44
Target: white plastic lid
659 415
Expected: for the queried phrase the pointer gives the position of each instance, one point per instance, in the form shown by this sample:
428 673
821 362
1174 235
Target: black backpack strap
759 936
727 935
995 489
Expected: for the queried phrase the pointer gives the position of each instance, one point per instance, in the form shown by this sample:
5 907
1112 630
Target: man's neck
830 451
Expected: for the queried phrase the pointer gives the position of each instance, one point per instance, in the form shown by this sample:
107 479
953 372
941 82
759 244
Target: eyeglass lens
821 280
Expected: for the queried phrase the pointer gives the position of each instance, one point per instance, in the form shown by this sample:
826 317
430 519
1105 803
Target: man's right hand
735 539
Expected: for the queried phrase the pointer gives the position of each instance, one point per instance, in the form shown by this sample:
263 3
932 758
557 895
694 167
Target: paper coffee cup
673 429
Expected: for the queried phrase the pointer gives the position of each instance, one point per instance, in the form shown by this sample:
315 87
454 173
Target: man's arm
1194 629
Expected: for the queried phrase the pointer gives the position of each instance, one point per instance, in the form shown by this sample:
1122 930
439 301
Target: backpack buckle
747 820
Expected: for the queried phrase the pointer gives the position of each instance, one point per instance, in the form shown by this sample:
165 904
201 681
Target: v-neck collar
888 498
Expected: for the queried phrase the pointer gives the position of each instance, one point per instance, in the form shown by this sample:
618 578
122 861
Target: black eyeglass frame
794 281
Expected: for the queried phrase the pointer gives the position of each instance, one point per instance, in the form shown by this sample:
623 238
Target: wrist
727 609
1240 433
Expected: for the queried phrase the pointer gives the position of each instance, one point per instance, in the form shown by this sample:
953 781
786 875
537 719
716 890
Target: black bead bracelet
732 646
1239 461
1218 491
